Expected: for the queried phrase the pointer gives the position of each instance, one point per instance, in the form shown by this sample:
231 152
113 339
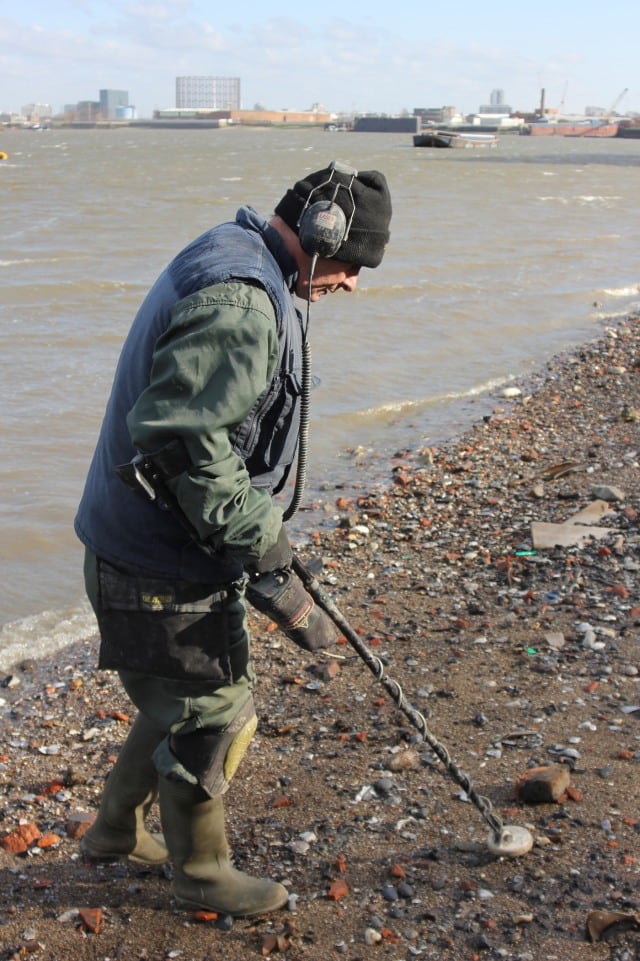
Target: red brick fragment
206 917
91 919
13 843
543 785
19 840
48 840
618 590
53 786
338 889
389 936
282 802
78 824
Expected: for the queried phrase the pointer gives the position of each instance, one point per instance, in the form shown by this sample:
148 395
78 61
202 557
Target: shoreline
521 656
356 465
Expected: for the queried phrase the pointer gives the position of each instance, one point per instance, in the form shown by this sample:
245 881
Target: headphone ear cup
322 229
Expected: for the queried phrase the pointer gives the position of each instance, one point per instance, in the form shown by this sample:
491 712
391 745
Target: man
207 412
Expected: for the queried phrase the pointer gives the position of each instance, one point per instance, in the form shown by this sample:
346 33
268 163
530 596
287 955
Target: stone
79 823
543 785
547 536
19 840
91 919
575 530
607 493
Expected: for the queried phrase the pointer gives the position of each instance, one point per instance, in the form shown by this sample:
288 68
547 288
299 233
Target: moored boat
579 128
451 138
599 130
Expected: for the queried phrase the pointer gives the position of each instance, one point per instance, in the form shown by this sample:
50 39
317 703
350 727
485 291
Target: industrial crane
617 101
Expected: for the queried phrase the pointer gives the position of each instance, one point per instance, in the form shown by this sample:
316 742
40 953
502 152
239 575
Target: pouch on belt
171 629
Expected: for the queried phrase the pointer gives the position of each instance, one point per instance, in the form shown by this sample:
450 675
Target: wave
41 635
580 199
422 403
612 316
631 290
29 260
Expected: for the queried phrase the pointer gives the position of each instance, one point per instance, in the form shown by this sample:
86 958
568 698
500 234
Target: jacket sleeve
209 368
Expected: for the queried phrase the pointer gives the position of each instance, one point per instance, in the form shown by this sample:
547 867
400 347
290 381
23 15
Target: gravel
517 656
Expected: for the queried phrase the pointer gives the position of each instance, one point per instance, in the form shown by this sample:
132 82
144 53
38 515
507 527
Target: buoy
3 155
512 842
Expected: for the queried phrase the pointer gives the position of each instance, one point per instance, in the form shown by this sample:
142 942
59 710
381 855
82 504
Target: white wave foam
587 199
29 260
611 316
628 291
43 634
401 406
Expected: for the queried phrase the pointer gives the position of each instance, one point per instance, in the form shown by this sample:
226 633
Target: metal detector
509 840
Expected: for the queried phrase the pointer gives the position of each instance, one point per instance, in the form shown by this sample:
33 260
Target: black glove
281 596
277 558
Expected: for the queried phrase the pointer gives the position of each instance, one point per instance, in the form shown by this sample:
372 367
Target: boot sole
187 905
108 857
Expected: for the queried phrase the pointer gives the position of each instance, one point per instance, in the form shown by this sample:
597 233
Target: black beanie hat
366 204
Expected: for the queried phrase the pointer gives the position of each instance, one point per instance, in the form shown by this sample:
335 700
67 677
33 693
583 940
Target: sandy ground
518 643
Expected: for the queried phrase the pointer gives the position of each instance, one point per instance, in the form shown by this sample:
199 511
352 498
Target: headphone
323 225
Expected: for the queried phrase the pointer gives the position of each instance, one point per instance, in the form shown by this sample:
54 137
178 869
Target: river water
499 259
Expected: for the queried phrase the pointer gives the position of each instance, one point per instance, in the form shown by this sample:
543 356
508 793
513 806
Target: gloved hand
282 597
277 558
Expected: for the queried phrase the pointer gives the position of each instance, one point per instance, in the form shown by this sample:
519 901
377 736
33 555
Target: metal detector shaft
395 692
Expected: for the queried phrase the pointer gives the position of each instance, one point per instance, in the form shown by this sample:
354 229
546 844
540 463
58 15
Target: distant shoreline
623 133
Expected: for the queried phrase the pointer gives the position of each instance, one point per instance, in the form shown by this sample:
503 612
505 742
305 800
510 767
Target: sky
362 57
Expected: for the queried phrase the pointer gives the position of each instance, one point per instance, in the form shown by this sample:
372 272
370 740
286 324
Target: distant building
37 111
87 111
113 103
434 115
207 93
184 117
497 106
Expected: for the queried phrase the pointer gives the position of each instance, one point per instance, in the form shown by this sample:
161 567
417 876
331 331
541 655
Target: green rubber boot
193 825
131 788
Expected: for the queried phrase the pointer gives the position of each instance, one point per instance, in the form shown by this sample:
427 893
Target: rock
403 761
91 919
543 785
604 492
555 640
371 936
546 536
48 840
13 843
19 840
600 921
405 890
79 823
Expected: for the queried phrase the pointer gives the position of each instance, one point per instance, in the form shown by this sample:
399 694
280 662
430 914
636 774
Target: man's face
328 276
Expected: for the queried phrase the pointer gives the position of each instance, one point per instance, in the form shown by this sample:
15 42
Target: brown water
499 259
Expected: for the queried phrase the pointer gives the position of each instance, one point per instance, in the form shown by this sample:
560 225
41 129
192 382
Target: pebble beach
496 580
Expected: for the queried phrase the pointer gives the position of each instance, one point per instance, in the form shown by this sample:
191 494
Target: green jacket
213 360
